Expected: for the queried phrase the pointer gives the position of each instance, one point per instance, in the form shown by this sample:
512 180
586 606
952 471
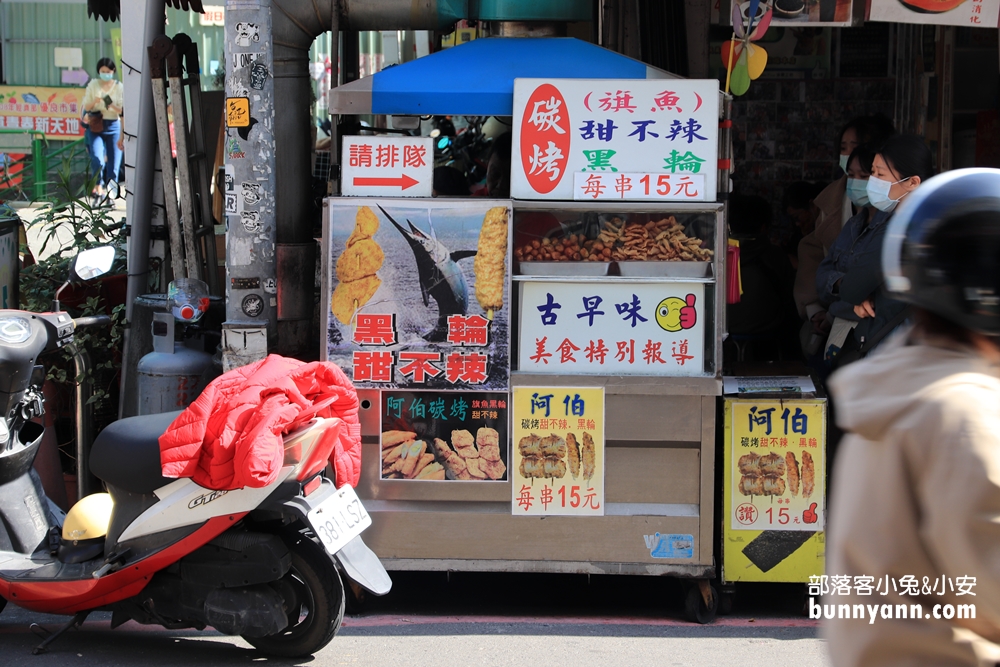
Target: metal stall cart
561 419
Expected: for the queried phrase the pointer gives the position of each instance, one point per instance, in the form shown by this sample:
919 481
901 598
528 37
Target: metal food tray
570 268
661 269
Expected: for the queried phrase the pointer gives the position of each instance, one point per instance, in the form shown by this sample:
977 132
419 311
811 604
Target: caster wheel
695 609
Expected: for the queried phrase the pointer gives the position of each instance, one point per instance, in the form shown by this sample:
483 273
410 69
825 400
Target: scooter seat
126 454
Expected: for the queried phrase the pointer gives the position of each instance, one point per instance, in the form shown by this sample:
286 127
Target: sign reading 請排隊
418 292
606 328
615 139
55 112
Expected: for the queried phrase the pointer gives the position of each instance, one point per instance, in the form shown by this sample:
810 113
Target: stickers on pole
557 452
388 166
626 140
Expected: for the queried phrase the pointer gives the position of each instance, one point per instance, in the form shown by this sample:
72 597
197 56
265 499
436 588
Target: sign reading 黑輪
615 139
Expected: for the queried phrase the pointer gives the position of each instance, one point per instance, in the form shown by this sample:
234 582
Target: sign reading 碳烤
388 166
629 139
55 112
557 453
604 328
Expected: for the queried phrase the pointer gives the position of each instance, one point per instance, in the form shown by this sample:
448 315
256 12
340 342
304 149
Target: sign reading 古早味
615 139
603 328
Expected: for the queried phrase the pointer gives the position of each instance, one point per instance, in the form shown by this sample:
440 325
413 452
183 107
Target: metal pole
179 104
156 55
39 165
84 422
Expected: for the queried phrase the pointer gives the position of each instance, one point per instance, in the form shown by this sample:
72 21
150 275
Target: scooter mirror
94 262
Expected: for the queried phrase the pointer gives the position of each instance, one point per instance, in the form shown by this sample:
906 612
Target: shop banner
557 457
969 13
419 292
809 13
605 328
388 166
627 134
55 112
775 489
445 435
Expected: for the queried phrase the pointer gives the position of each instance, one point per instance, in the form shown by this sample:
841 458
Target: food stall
539 375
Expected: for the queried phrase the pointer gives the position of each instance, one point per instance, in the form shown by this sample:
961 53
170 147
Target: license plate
339 519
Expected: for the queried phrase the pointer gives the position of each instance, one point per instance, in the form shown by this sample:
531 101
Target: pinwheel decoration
745 61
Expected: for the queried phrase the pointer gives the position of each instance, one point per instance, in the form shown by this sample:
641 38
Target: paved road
491 620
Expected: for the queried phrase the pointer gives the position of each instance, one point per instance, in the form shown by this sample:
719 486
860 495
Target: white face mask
843 162
857 190
878 193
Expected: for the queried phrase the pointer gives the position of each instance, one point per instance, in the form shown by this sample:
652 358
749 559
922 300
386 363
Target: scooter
262 563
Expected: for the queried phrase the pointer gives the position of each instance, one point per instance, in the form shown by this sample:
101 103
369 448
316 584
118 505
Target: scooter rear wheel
314 596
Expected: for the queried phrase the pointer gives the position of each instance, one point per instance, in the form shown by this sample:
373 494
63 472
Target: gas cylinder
170 377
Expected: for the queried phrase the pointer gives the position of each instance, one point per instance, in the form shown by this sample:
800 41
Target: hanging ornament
744 61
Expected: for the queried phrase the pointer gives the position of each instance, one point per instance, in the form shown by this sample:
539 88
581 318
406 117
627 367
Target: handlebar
92 321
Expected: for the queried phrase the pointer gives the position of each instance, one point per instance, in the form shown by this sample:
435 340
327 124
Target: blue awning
477 78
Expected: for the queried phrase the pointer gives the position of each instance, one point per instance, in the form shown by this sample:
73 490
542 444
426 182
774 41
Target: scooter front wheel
314 599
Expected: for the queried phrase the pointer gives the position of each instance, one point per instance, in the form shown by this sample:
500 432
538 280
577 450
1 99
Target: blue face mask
878 193
843 162
857 191
107 76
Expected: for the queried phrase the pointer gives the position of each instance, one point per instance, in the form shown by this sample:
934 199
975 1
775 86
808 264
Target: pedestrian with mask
916 491
103 103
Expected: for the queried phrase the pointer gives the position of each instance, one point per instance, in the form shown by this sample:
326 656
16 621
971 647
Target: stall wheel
356 598
701 603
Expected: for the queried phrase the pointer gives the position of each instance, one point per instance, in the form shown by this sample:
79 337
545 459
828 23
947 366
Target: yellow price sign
237 112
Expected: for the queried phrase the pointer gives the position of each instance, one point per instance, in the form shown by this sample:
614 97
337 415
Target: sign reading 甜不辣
419 293
611 139
55 112
388 166
605 328
557 453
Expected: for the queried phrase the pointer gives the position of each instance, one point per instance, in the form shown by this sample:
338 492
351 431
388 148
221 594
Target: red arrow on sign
403 182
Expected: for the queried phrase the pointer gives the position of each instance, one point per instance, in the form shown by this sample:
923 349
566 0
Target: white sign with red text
969 13
620 130
603 328
388 166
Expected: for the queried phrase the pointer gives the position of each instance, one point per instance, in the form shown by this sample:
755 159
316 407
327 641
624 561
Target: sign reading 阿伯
388 166
624 139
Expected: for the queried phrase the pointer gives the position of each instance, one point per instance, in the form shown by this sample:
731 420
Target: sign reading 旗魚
608 139
600 328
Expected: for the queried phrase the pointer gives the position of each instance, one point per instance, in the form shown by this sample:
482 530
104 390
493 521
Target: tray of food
564 268
668 269
656 240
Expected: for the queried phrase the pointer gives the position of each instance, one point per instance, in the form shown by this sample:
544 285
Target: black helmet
942 249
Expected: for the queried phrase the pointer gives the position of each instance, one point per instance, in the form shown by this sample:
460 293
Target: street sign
629 139
388 166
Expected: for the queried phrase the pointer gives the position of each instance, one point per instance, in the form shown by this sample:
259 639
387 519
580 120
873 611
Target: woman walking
103 103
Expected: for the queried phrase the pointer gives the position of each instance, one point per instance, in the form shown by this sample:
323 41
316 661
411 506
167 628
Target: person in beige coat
913 549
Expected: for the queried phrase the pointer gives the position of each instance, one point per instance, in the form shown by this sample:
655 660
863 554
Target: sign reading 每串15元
615 139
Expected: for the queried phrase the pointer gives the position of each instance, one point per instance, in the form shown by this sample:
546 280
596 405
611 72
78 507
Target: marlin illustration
439 275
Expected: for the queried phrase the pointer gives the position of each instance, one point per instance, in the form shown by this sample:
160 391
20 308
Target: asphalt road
436 620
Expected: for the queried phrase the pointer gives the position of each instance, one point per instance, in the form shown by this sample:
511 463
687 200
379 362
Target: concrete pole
697 15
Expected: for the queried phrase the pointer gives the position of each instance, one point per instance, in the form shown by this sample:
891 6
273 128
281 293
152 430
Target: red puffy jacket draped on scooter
231 436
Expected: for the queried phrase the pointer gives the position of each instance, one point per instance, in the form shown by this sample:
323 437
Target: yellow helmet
85 528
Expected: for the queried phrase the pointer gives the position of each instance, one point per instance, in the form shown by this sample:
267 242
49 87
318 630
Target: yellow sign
557 458
238 112
775 489
55 112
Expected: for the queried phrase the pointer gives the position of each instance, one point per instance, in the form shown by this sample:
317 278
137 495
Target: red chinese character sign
629 139
388 166
557 451
969 13
417 292
603 328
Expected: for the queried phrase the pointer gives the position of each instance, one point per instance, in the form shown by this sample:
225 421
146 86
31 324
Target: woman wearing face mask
103 102
844 253
901 165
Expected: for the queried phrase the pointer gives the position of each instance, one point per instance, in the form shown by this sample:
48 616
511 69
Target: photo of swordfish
440 277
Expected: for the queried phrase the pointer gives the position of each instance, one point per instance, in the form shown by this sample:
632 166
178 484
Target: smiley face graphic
674 314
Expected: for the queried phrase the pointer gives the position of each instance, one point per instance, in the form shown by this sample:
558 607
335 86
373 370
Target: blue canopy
477 78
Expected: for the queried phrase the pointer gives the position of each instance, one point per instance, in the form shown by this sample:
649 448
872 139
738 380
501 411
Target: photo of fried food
491 260
454 465
488 441
393 438
772 465
751 485
532 467
412 457
474 468
808 475
432 471
750 464
365 226
464 444
555 468
530 446
362 259
793 473
349 297
772 486
573 455
553 447
493 469
588 456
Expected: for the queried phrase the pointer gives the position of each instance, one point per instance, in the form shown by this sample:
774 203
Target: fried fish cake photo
365 225
362 259
488 441
349 297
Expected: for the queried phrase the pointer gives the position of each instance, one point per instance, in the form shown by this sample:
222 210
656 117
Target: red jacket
230 437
